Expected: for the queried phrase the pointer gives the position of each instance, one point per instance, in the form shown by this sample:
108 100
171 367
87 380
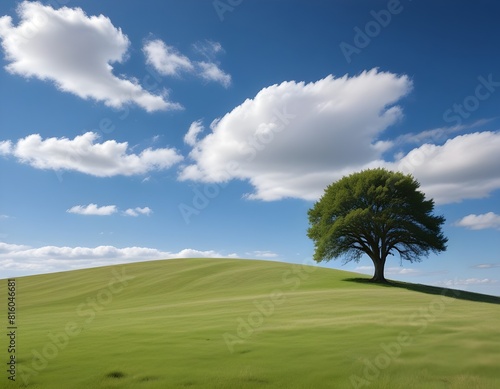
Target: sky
133 131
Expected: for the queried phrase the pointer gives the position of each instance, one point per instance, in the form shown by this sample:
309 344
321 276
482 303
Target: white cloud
209 71
75 51
4 217
293 139
402 271
191 136
138 211
93 209
82 154
6 248
5 147
107 210
166 59
465 167
20 258
263 254
480 222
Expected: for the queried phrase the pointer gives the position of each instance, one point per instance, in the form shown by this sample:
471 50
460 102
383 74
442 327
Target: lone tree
375 212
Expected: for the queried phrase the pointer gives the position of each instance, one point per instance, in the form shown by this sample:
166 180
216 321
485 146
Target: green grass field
222 323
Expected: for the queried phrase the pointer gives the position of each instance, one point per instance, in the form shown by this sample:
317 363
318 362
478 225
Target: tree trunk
379 270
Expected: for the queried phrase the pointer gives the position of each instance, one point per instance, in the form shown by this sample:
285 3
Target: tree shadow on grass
454 293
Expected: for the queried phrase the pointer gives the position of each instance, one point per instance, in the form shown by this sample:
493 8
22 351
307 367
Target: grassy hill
221 323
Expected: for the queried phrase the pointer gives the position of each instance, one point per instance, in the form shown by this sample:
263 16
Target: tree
375 212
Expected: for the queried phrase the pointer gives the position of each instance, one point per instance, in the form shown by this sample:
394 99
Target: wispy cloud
486 266
480 222
437 134
467 281
208 49
75 52
168 61
390 270
93 209
262 254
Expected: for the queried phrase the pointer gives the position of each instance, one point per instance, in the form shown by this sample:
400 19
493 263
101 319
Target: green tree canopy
375 212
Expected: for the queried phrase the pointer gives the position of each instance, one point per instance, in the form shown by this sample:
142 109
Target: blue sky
208 128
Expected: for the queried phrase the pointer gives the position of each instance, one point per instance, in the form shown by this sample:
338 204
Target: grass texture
232 323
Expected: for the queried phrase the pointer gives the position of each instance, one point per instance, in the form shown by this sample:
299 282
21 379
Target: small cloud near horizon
466 281
486 266
16 259
263 254
390 270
